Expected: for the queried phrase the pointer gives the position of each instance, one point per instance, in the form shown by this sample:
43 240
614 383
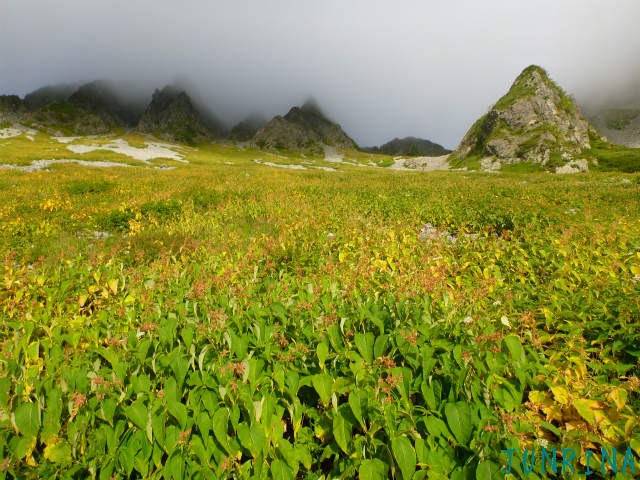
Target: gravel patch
151 151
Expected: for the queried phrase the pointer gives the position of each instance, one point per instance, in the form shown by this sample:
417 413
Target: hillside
535 122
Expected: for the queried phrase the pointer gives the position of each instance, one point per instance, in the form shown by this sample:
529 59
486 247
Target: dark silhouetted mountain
305 129
47 95
410 147
102 98
247 128
172 115
534 122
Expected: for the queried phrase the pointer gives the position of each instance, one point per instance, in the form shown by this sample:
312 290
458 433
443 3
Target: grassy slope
615 157
311 294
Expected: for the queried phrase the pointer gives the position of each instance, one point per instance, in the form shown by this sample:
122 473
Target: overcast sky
380 68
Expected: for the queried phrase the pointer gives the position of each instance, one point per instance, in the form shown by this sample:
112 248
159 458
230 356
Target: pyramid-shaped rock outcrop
534 122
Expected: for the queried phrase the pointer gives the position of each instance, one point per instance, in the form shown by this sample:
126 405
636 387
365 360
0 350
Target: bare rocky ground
423 164
16 130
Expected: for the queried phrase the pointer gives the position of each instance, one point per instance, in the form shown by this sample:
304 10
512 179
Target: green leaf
372 470
507 396
281 471
380 346
138 414
322 383
488 471
364 343
514 345
253 439
356 399
27 418
342 432
51 415
174 468
437 427
404 455
459 420
220 425
323 353
179 412
5 389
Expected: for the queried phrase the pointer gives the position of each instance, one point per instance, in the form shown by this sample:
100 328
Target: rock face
171 115
534 122
303 129
411 147
11 108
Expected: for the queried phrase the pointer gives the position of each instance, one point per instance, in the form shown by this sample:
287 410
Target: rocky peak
304 129
172 115
534 122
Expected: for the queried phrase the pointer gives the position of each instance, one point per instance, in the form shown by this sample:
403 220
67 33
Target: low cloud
382 69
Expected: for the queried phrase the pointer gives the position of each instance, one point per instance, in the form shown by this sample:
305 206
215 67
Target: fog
382 69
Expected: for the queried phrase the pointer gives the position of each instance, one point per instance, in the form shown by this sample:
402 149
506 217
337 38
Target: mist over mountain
384 69
245 130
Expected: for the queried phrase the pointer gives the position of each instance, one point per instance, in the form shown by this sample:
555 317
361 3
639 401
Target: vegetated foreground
220 321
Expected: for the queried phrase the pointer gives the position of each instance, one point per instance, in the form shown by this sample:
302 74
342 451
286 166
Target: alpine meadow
183 299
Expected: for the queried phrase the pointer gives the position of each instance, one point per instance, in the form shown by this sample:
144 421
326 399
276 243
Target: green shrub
117 220
161 209
83 187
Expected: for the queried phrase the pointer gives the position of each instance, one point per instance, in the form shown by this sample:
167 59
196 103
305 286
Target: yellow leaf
536 396
58 452
619 397
587 410
635 444
113 285
82 300
560 394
